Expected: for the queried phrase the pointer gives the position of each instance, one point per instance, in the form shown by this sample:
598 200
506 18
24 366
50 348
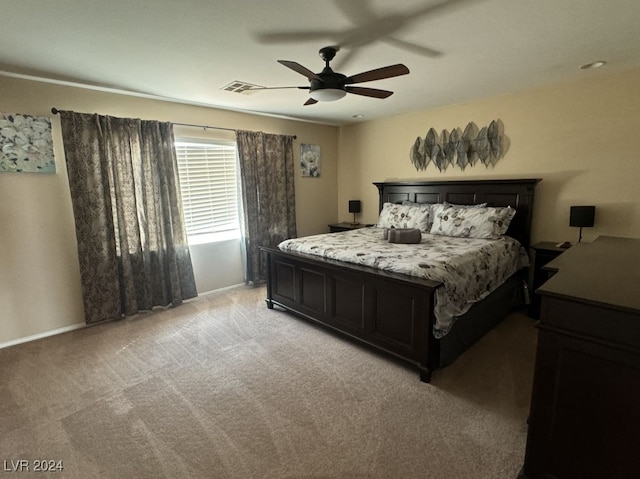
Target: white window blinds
208 183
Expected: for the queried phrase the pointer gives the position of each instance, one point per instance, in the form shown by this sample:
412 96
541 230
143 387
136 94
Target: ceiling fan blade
310 101
344 59
276 88
378 74
372 92
412 47
294 36
296 67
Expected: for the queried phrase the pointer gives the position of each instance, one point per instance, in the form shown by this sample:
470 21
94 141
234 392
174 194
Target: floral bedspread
468 268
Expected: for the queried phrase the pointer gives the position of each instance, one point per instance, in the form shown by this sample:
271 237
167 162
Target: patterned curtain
132 244
268 194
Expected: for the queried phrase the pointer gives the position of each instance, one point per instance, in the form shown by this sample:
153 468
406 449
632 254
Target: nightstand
337 227
543 252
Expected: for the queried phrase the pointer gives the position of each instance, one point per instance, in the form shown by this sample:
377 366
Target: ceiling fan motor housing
334 81
328 79
330 86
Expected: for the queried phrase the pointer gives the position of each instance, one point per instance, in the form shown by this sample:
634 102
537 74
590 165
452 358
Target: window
208 183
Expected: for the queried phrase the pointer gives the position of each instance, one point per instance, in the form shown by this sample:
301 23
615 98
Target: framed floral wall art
26 144
310 160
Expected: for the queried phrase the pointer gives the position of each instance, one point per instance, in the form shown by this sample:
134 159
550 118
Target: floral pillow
406 216
486 222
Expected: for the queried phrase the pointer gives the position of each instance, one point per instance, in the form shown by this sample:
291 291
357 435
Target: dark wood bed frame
390 312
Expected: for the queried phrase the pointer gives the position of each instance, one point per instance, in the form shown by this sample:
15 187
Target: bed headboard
517 193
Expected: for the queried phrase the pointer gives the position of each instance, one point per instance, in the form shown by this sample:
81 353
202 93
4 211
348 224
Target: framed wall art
310 160
26 144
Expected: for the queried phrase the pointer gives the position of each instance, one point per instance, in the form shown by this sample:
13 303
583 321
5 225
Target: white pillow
405 216
463 222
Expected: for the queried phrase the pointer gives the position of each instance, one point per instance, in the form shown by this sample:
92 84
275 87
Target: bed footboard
384 311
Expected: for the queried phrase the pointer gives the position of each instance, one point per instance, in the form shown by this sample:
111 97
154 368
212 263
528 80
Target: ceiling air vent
242 87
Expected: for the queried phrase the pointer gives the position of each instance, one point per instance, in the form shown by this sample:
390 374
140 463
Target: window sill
214 237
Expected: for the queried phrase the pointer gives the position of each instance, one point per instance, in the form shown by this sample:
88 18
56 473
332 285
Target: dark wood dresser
543 253
584 420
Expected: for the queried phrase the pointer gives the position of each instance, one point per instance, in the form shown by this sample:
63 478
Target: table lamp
583 217
354 207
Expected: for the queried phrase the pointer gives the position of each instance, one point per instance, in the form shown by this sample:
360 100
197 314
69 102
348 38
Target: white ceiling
187 50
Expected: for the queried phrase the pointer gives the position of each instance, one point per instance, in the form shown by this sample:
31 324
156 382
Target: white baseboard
53 332
220 290
45 334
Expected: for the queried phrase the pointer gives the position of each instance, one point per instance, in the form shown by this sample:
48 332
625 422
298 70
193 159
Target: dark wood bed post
269 285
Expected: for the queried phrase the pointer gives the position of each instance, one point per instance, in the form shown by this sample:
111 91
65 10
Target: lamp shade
354 206
582 216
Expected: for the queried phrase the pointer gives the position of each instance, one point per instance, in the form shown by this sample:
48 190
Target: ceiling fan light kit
327 94
331 86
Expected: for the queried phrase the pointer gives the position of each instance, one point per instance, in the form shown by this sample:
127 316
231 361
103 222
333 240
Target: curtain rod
55 111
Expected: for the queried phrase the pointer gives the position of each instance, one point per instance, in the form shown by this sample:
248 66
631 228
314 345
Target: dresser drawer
583 319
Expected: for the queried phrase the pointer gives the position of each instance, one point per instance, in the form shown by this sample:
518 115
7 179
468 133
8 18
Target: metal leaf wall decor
460 148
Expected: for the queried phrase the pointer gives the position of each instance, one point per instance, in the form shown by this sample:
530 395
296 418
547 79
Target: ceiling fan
329 85
370 25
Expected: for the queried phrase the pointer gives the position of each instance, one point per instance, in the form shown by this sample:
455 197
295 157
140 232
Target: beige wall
580 138
40 287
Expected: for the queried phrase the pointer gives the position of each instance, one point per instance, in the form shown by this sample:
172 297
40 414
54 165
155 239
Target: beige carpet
222 387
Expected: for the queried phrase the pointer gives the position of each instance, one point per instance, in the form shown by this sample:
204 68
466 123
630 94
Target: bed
393 312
